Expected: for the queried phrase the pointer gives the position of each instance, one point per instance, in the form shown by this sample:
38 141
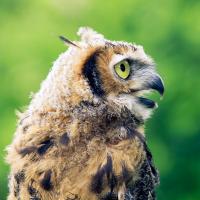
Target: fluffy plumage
82 135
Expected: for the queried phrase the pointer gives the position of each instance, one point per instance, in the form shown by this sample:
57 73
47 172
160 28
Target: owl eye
123 69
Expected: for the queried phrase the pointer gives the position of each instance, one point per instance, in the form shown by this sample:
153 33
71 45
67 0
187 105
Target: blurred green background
169 30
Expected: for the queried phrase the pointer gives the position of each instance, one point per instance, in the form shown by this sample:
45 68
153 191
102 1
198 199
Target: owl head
96 69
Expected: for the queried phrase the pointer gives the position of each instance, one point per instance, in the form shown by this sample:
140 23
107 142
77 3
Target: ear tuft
88 35
67 41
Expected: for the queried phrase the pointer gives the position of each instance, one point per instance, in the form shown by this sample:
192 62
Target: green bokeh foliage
169 30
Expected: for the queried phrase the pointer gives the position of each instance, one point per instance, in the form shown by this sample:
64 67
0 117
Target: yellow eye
123 69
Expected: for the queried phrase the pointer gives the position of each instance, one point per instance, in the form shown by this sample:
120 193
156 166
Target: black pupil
122 67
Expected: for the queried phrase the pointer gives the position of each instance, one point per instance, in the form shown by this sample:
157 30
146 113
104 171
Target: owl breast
109 152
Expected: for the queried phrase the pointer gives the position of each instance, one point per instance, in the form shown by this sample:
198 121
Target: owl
82 136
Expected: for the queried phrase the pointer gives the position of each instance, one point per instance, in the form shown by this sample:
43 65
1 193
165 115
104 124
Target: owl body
82 135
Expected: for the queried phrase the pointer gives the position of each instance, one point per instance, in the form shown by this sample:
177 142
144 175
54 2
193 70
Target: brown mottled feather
74 144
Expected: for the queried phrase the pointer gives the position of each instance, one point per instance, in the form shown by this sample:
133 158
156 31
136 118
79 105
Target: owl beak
156 84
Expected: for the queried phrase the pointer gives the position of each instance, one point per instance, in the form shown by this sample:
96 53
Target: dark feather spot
112 182
44 146
34 194
91 73
112 179
16 191
25 128
110 196
27 150
64 139
109 166
99 179
46 181
126 175
19 177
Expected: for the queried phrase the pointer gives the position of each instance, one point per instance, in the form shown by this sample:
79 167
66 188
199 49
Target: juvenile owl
81 137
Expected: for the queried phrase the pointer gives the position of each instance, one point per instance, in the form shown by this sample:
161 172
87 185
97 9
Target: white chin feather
133 105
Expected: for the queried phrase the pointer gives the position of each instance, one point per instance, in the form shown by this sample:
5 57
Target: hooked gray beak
156 84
